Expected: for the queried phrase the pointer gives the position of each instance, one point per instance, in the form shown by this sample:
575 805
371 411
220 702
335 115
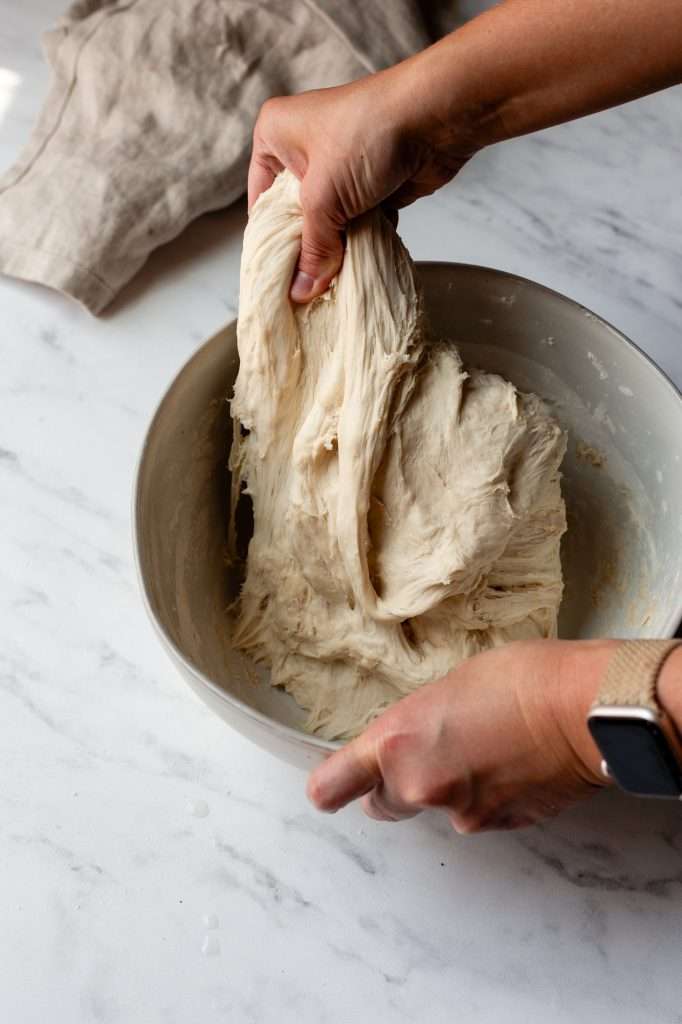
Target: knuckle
418 794
466 824
268 120
430 792
269 110
393 744
495 815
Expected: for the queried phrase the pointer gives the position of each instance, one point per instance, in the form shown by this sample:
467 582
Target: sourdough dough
407 512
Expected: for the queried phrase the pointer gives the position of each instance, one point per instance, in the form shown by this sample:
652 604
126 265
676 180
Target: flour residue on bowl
609 558
587 453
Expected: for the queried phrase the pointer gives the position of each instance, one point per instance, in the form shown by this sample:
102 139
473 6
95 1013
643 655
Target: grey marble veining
131 816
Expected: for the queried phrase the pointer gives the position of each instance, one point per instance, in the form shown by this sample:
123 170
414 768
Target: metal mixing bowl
622 554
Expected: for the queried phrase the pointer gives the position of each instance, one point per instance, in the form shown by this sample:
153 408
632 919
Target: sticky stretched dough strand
407 512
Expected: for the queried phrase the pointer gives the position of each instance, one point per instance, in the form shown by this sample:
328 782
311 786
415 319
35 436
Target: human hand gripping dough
407 512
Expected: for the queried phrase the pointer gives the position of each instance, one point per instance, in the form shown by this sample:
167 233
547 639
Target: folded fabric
149 118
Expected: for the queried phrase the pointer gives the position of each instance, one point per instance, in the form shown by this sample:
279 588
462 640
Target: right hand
499 742
352 147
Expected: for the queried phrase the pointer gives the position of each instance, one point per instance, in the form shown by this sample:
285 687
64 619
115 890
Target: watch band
632 674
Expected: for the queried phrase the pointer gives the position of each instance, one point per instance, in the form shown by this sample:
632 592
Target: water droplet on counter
211 921
211 945
198 808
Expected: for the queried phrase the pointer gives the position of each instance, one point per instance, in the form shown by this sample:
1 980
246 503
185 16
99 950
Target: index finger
262 173
349 773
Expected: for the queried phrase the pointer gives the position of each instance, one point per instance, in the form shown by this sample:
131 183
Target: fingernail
302 286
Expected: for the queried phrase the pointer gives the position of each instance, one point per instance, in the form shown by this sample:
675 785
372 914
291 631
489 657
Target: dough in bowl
407 510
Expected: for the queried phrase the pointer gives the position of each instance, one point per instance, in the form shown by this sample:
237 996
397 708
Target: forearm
528 64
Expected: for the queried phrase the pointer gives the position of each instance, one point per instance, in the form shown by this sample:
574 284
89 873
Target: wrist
439 103
669 688
582 668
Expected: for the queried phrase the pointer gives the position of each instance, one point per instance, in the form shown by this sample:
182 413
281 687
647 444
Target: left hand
500 742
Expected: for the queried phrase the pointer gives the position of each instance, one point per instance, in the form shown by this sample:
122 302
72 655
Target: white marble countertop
137 829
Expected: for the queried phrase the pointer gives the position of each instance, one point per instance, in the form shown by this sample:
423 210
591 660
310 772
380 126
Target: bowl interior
622 554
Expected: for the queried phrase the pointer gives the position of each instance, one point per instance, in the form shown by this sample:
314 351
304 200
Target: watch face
638 755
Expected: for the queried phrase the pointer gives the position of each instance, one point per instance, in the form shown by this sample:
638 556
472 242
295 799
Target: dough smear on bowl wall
407 510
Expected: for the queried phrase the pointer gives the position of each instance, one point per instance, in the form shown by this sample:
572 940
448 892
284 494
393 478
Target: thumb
351 772
320 258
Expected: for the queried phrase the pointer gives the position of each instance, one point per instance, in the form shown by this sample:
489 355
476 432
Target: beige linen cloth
149 118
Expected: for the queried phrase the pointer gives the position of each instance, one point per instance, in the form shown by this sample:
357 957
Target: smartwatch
639 744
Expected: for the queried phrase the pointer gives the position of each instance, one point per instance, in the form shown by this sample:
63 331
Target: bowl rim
673 621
